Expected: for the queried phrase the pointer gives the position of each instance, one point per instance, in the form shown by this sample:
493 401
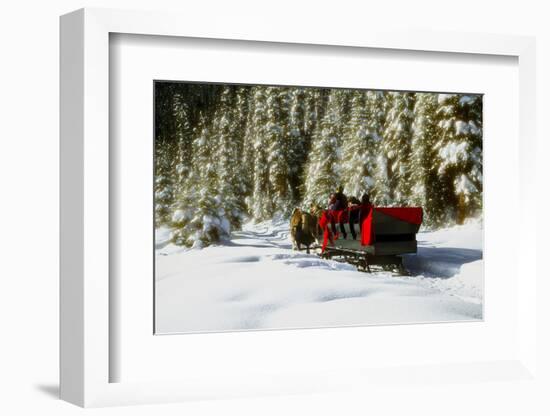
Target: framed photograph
294 200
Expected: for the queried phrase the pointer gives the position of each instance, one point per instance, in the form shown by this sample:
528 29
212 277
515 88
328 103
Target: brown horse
317 211
303 229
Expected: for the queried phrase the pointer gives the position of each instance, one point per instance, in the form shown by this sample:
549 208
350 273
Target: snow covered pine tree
459 154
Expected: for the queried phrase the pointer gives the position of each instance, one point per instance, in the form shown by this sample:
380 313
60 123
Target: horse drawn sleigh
364 235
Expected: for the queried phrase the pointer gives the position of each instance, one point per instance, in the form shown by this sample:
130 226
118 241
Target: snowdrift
256 281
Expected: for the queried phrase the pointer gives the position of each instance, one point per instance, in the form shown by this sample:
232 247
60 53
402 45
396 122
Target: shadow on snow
440 261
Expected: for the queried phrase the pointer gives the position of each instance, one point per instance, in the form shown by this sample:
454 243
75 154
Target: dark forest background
225 154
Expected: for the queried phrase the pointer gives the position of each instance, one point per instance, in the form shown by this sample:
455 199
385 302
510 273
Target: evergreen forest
226 154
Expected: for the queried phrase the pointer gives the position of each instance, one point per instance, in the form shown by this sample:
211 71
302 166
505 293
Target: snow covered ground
256 281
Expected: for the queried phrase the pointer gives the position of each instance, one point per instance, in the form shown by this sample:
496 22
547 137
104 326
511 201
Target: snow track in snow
256 281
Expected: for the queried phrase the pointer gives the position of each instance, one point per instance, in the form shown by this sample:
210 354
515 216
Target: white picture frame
85 164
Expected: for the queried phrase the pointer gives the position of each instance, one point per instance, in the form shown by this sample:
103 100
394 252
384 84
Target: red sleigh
365 235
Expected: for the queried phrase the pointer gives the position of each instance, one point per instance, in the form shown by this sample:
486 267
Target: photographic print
280 207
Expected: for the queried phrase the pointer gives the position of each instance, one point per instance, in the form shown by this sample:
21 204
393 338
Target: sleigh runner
367 236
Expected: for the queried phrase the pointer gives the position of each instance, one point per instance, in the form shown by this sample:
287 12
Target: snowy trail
256 281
